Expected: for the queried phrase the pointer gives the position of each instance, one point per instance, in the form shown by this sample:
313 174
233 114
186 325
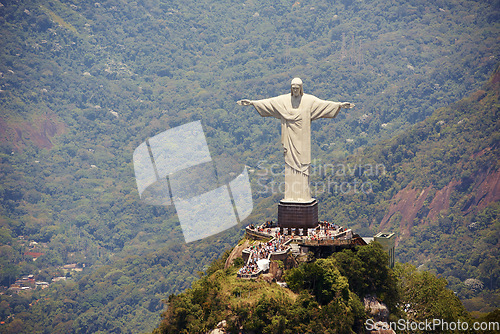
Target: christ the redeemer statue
296 111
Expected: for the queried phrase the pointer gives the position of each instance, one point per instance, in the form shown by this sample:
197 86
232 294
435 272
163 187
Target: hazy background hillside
440 194
83 84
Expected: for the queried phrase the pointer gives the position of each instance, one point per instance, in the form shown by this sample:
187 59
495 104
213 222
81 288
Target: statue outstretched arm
266 108
347 105
245 102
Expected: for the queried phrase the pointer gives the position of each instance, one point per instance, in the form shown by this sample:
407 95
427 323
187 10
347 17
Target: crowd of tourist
323 231
326 231
263 250
264 228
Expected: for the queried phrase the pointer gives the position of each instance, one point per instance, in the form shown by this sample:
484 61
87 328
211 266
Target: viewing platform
322 240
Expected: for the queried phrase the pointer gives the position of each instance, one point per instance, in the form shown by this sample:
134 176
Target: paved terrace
275 249
325 234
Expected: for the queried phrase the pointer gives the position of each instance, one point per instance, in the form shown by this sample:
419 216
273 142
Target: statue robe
296 136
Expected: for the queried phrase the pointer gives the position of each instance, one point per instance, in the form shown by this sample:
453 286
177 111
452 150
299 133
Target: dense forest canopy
82 84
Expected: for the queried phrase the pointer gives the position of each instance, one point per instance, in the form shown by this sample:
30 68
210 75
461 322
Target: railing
257 234
326 242
249 276
269 256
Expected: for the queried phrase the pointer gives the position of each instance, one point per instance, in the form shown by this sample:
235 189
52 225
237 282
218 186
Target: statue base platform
296 215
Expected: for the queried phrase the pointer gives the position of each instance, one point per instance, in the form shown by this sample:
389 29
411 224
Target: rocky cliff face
447 164
378 313
38 131
426 204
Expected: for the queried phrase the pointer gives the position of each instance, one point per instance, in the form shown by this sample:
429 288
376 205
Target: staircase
295 249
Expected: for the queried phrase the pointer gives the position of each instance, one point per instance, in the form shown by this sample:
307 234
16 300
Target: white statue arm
347 105
245 102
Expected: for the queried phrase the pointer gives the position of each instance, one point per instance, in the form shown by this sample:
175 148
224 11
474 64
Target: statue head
297 88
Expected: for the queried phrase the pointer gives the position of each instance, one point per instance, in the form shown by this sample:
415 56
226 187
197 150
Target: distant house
34 255
69 266
42 285
15 289
26 281
57 279
73 266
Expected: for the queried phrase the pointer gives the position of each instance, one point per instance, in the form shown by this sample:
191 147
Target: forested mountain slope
82 84
323 296
440 191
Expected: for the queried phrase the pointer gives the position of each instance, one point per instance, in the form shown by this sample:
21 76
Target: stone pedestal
293 215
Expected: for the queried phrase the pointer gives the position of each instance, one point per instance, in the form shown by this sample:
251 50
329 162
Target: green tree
425 296
321 278
368 273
